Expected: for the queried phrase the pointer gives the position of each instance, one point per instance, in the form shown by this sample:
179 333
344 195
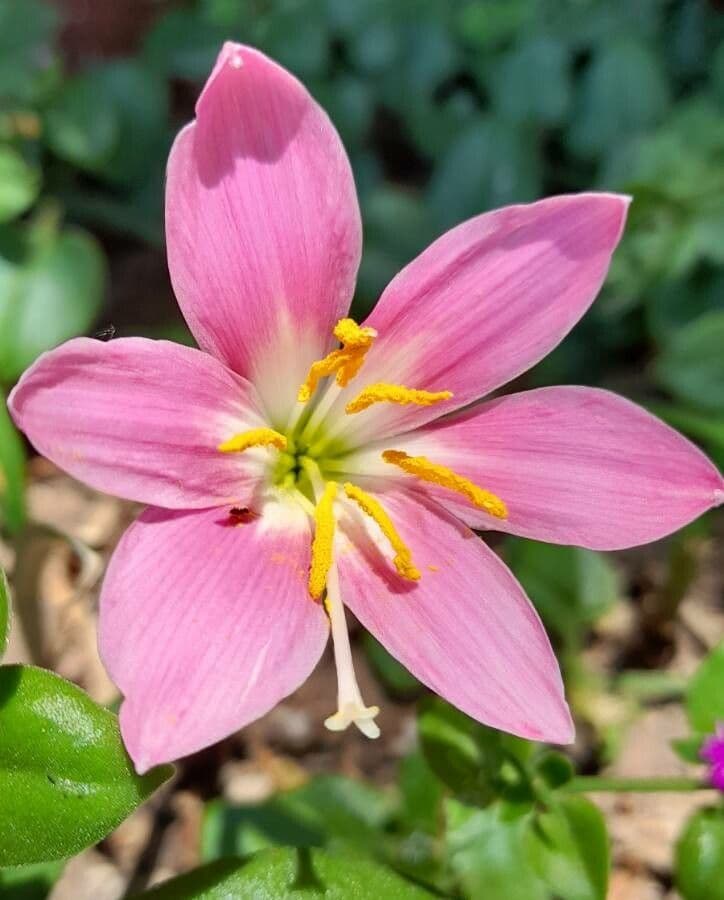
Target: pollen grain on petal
323 542
434 473
382 392
345 363
374 509
255 437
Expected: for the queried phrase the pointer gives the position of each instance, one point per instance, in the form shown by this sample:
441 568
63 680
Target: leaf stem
593 783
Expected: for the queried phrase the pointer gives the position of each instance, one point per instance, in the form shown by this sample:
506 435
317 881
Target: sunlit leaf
567 845
65 778
704 696
699 860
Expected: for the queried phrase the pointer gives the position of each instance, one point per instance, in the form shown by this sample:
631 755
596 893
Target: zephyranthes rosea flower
300 461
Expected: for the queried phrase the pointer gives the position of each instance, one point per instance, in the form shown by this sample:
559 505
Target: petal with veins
574 465
143 420
485 302
206 624
262 224
465 629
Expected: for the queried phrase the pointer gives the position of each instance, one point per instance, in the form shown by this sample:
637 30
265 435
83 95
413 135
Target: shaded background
447 109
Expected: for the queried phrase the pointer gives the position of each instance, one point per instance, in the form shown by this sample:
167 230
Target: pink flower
712 751
277 466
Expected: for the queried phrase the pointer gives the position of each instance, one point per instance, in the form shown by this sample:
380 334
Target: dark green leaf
65 778
567 844
465 755
704 696
569 586
80 126
328 810
486 852
12 472
52 295
699 861
19 184
555 769
609 107
29 882
285 874
543 98
691 366
421 792
490 164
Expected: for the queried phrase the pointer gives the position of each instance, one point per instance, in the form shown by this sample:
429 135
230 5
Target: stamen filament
435 473
382 392
374 509
344 363
323 542
255 437
350 705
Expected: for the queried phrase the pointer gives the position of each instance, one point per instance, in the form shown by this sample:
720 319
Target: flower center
307 460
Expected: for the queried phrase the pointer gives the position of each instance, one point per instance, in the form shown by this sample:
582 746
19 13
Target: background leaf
65 778
12 472
704 695
285 874
4 612
19 184
699 864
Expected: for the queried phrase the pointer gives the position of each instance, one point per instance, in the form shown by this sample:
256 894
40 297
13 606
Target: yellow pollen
426 470
345 363
256 437
394 393
323 540
373 508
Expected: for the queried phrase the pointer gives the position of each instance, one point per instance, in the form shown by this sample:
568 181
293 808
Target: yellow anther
323 540
403 557
345 363
256 437
394 393
426 470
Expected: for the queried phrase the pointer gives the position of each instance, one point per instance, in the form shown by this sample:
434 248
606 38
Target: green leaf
704 696
29 882
555 769
485 849
65 778
52 293
465 755
4 612
491 163
421 793
327 811
12 472
567 845
80 126
623 93
19 184
691 366
544 99
699 858
285 874
689 748
569 586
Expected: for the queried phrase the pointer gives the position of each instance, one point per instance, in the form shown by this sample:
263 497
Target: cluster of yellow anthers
344 364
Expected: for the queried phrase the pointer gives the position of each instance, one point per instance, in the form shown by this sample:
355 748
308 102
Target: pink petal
141 419
262 223
205 626
574 465
466 629
488 300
